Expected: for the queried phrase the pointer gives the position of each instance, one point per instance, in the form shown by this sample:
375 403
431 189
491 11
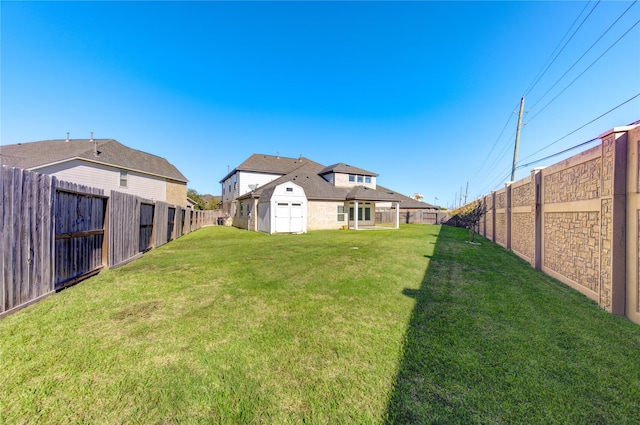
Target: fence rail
579 221
55 233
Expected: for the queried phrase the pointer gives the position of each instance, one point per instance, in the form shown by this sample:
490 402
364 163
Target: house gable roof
341 167
261 163
110 152
317 188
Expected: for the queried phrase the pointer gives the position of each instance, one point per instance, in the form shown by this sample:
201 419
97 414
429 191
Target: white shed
283 209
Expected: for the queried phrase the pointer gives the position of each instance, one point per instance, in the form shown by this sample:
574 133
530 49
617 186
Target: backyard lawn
226 326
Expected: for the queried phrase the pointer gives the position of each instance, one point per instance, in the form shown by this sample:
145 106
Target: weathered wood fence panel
147 213
160 224
179 222
171 217
79 229
26 234
124 227
55 233
186 221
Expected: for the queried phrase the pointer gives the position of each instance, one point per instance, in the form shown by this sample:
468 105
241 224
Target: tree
472 217
195 197
469 216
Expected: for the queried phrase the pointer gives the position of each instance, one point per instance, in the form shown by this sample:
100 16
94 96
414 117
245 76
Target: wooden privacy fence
413 216
80 213
27 234
55 233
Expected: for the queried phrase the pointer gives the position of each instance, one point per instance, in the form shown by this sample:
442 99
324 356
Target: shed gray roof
271 164
111 152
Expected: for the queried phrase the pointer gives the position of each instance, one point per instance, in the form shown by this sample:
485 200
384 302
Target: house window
367 179
123 178
289 189
340 212
240 209
359 179
352 178
363 213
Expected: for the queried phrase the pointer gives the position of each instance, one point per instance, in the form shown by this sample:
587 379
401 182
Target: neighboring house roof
407 202
35 155
270 164
346 169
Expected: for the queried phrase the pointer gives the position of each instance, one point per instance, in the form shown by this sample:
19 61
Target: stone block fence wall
579 221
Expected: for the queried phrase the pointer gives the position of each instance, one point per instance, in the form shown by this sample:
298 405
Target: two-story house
101 163
274 194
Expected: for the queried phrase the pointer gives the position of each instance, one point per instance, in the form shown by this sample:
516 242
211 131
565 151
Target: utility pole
466 192
515 149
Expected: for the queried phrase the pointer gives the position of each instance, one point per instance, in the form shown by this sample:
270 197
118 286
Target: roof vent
95 145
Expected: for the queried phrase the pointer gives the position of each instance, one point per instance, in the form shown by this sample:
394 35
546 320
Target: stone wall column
536 180
507 210
612 295
613 223
493 216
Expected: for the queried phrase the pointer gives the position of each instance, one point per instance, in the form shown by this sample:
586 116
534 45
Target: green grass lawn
395 326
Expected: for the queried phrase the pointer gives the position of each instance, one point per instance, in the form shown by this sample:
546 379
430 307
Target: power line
504 175
498 158
558 153
584 125
584 54
565 45
484 162
586 69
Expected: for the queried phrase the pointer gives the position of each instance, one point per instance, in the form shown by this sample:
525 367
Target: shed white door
289 217
296 217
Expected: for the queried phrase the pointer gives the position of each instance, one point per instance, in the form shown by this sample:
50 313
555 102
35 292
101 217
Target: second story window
352 178
367 179
123 178
359 179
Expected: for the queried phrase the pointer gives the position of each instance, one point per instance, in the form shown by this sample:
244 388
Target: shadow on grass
491 340
417 397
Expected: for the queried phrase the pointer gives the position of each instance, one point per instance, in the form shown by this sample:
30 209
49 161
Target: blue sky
422 93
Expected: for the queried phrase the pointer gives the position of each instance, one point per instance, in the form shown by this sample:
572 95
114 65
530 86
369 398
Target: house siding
242 180
323 215
246 178
342 180
108 178
176 193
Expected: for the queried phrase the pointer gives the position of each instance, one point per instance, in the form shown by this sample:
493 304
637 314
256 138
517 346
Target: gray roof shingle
308 174
271 164
37 154
341 167
406 201
317 188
